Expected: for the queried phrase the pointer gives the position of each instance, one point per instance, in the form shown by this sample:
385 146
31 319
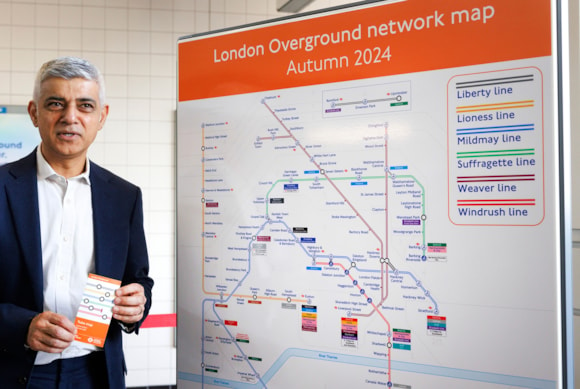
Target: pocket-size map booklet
96 310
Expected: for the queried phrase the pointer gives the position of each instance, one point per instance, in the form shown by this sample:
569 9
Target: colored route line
369 300
253 297
273 137
325 178
357 360
365 101
383 247
423 212
495 107
494 81
496 202
202 210
343 196
330 181
233 343
385 262
508 177
221 294
495 153
385 256
495 129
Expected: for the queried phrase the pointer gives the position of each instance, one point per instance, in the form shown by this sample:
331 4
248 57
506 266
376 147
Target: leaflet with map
96 310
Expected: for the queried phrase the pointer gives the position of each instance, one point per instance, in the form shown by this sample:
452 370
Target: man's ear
104 114
33 112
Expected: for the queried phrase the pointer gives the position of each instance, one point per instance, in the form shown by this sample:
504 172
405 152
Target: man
61 218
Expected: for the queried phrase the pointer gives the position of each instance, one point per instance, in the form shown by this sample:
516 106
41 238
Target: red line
509 179
495 204
508 175
484 200
385 254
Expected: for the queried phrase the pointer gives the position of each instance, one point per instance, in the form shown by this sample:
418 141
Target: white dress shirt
66 230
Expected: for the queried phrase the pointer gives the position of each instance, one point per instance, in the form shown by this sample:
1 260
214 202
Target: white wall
134 44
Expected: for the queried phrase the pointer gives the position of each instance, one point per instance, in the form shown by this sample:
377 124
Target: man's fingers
129 303
54 325
130 289
128 314
49 344
132 295
50 332
61 322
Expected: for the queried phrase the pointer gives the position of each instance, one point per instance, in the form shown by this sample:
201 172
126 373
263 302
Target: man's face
68 115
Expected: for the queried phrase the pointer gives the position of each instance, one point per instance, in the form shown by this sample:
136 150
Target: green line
357 178
423 206
102 304
494 155
319 179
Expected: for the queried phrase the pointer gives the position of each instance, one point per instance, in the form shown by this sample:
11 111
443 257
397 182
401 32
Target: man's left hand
129 303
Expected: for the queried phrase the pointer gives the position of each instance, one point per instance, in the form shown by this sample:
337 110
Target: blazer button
22 380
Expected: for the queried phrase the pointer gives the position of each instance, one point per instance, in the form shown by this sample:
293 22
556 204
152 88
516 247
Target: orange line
497 104
258 298
203 209
495 109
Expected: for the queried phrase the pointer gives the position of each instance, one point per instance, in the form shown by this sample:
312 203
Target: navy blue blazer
120 253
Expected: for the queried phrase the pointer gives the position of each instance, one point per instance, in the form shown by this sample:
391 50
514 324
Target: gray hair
69 68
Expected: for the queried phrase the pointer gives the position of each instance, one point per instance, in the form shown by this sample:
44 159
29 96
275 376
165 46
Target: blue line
441 371
492 132
492 127
420 285
216 381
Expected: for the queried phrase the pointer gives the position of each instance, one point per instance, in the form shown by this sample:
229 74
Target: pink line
95 309
382 248
385 275
327 177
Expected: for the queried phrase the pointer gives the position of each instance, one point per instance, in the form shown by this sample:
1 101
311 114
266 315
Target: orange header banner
377 40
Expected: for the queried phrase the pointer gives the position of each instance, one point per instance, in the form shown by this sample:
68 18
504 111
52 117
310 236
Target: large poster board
371 197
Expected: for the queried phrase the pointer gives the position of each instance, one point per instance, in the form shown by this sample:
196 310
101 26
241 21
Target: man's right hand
50 332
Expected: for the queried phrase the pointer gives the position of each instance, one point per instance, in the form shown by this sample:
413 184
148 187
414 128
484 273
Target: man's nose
69 114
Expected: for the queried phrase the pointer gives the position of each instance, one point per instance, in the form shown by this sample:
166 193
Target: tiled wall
134 44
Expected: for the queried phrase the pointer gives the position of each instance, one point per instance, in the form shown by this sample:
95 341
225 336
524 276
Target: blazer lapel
103 224
22 195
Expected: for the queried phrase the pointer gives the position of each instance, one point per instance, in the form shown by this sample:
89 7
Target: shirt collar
45 171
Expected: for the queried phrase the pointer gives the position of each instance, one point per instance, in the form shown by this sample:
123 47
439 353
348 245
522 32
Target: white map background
244 274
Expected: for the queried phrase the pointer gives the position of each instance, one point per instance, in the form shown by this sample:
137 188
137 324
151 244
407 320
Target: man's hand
50 332
129 303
